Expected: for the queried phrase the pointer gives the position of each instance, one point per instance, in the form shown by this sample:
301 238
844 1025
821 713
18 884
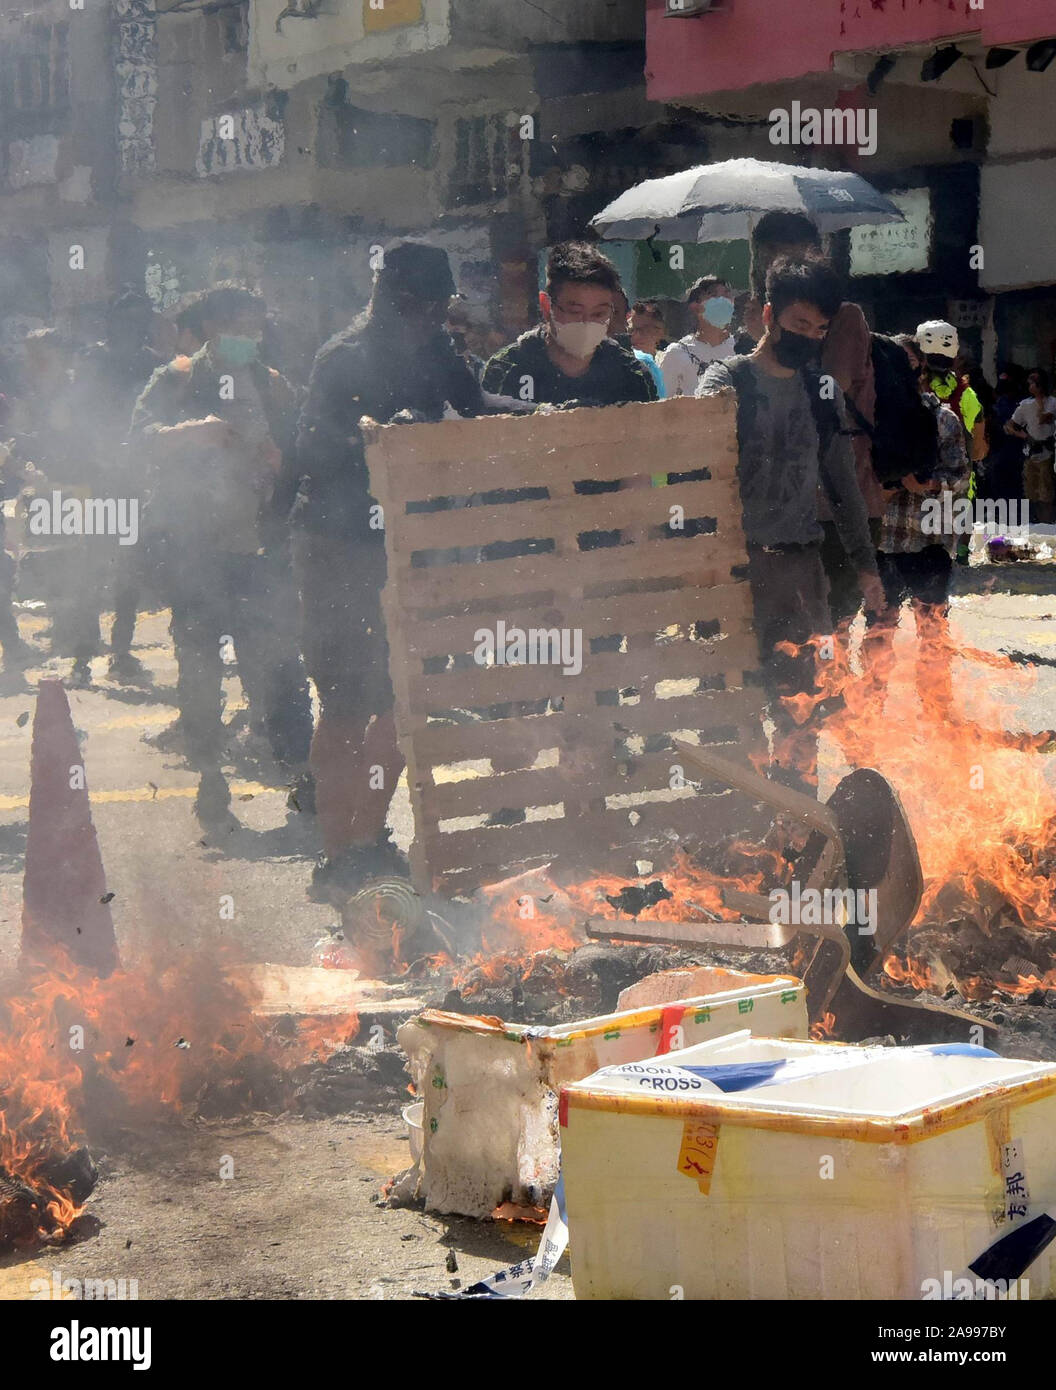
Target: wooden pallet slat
650 559
629 614
548 442
475 686
610 716
566 514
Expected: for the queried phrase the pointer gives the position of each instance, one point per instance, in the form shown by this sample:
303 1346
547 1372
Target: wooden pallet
501 519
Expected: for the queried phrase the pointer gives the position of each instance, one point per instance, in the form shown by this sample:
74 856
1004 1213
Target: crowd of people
258 532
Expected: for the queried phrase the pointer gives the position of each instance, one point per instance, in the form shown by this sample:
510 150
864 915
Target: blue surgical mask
719 311
236 351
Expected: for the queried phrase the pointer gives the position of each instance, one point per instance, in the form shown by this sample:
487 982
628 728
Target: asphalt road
166 882
168 877
300 1218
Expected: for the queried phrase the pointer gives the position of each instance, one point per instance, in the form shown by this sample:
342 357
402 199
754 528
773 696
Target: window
372 139
34 72
234 28
479 173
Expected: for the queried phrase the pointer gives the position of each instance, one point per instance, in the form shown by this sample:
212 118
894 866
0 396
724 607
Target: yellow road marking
118 794
130 721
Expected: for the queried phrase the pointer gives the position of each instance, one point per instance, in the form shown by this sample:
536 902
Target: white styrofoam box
807 1171
490 1088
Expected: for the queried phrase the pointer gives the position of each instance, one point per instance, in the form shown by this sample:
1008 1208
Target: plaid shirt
900 530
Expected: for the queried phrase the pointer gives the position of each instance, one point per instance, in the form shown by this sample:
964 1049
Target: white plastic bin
490 1088
884 1169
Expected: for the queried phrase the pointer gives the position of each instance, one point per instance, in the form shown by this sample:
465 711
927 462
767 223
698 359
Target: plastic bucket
413 1117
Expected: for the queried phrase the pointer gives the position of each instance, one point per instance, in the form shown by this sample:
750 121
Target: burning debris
73 1082
48 1205
633 900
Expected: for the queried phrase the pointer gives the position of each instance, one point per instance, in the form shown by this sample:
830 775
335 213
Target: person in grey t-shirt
792 434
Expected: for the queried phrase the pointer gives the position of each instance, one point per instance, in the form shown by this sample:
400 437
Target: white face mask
578 339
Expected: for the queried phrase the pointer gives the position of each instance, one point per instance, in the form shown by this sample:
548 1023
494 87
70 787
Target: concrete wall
1018 196
1021 117
200 77
1017 215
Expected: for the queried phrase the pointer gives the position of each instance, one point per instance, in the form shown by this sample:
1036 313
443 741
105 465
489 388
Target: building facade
959 88
177 142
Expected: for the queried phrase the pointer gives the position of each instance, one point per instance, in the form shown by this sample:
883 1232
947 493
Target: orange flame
77 1052
935 720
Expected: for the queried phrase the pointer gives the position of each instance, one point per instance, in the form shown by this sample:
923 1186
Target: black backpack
905 437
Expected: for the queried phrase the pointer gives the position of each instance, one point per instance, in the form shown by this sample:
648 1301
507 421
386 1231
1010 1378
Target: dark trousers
127 591
845 595
790 600
250 601
94 573
355 754
923 575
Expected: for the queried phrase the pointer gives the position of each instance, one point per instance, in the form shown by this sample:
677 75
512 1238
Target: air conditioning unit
686 9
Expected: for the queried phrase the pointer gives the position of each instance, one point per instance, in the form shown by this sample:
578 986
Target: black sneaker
383 858
81 675
301 794
335 878
212 805
127 669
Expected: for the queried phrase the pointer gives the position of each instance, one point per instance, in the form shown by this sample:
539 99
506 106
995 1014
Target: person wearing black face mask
795 350
793 434
847 356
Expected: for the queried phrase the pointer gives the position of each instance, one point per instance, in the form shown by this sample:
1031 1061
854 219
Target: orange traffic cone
64 880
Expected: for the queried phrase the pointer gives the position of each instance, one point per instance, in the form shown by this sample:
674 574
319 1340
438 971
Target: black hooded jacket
367 370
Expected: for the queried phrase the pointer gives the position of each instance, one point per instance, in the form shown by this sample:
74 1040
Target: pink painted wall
774 40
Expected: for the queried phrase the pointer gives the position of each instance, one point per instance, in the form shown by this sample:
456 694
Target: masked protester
219 430
570 356
939 343
791 438
846 355
710 304
395 358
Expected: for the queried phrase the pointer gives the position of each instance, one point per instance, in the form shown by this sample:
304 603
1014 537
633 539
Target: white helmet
939 338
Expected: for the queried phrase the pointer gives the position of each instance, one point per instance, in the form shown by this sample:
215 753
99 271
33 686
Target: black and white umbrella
722 202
